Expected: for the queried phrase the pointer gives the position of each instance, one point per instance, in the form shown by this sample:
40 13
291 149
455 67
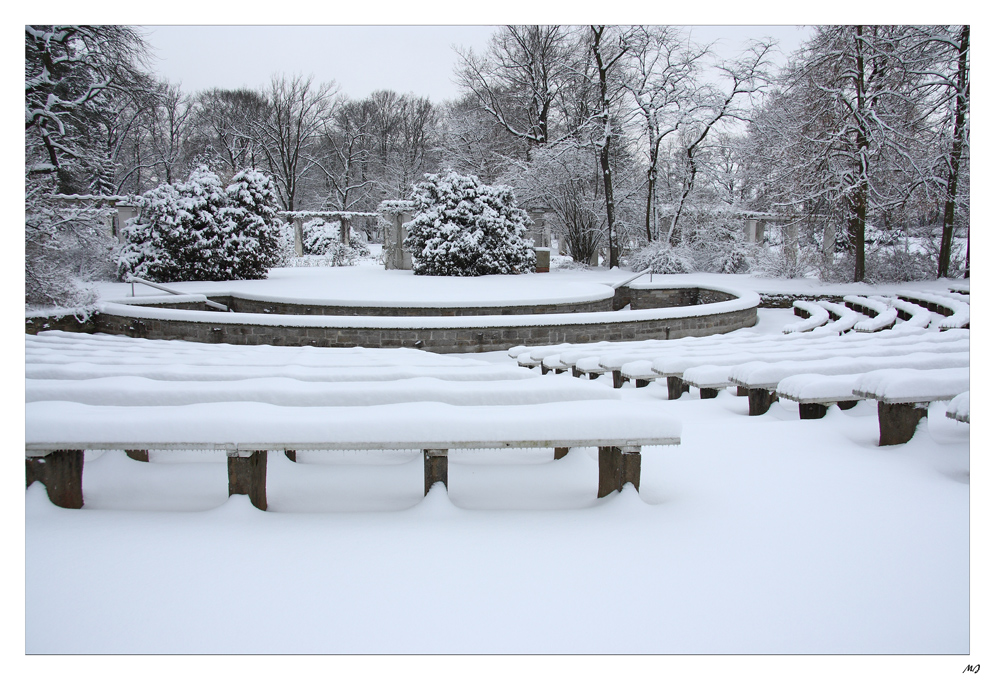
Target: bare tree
519 79
850 128
298 112
224 126
958 84
746 75
662 77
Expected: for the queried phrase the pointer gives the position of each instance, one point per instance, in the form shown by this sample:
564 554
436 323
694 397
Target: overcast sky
361 59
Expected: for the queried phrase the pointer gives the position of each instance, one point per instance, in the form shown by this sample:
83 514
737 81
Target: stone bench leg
62 474
560 452
618 380
760 400
846 405
141 455
707 393
812 411
742 391
247 475
676 387
642 382
436 468
897 422
617 467
291 455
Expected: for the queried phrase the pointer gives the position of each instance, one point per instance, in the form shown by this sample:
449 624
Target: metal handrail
648 270
134 279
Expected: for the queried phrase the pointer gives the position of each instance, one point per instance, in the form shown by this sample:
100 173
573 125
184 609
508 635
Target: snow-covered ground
756 535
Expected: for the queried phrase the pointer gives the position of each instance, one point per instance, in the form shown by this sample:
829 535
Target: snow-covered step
904 395
960 407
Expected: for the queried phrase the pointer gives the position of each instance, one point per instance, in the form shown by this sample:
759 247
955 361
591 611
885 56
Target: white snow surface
765 535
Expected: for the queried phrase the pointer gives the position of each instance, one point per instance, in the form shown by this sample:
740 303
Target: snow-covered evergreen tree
252 232
465 228
199 231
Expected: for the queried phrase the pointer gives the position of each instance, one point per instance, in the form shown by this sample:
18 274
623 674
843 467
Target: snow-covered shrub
663 258
198 231
774 263
465 228
733 256
252 238
320 236
898 264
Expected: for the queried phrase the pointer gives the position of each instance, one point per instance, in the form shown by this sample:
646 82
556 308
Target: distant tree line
629 136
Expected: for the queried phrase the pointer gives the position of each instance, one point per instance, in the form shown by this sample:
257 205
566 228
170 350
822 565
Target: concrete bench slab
248 430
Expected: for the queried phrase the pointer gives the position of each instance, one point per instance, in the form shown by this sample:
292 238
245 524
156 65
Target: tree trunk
604 155
960 116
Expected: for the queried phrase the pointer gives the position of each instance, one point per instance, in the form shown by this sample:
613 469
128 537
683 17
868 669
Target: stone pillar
436 468
247 475
402 233
898 422
62 474
344 230
542 260
751 231
828 239
298 237
790 233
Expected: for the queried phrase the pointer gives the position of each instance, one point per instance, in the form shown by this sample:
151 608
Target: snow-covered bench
911 315
814 315
882 315
815 393
844 318
58 432
957 312
761 379
904 395
709 373
959 407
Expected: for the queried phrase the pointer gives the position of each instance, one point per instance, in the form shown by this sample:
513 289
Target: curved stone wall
248 305
649 313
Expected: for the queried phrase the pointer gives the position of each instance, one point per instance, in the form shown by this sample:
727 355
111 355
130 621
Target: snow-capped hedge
465 228
199 231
